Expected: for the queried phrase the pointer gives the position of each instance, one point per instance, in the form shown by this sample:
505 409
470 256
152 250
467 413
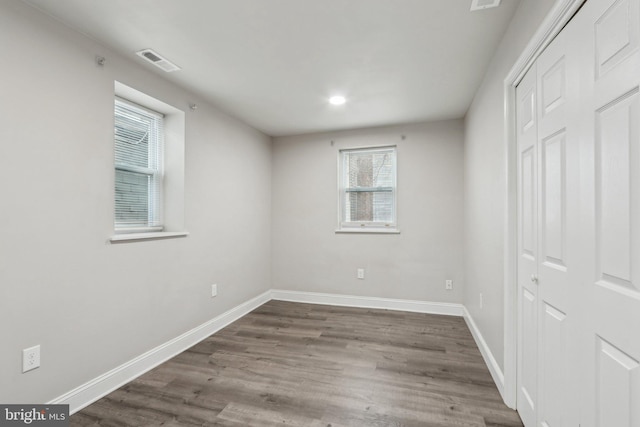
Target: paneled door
609 287
578 128
558 189
548 192
527 124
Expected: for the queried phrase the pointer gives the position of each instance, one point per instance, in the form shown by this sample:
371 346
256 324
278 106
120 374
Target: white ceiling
275 63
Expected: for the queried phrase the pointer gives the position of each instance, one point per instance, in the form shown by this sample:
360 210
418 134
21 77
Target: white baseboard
487 355
99 387
449 309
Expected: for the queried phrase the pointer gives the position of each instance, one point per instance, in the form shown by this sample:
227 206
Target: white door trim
556 19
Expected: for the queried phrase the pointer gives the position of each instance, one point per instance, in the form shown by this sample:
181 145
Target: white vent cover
484 4
156 59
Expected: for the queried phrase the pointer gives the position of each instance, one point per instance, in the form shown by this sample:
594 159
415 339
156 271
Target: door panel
618 386
553 86
616 35
613 141
528 204
554 368
529 382
553 221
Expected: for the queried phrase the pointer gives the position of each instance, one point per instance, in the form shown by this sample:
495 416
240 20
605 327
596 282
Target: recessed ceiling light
337 100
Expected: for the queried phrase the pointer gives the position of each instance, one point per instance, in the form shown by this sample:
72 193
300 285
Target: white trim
147 236
95 389
510 249
444 308
104 384
487 355
561 13
346 225
556 19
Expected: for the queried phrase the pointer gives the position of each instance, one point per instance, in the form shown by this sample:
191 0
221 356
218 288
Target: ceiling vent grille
156 59
484 4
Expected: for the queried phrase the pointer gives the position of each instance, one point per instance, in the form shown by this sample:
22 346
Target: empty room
320 213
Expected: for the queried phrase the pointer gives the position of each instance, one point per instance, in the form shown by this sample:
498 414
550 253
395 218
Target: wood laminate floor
291 364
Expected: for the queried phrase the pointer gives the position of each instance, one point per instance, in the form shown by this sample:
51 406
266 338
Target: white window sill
368 230
128 237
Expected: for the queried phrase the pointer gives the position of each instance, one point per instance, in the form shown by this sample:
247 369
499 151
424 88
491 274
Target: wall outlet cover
30 358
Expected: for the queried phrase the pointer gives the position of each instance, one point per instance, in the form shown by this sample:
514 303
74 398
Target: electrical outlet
214 290
481 300
361 273
30 358
448 285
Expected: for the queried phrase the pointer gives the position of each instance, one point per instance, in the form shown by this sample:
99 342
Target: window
368 188
139 138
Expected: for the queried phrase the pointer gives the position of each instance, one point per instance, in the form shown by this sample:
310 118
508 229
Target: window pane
370 169
132 134
132 198
383 207
369 206
359 206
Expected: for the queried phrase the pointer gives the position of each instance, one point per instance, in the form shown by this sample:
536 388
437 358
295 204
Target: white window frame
173 197
345 226
153 222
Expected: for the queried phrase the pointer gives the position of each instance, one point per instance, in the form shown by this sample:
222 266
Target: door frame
559 15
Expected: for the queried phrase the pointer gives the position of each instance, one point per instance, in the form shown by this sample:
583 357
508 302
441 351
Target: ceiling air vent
157 60
484 4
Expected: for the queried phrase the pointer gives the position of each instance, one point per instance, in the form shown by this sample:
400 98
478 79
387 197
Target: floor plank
291 364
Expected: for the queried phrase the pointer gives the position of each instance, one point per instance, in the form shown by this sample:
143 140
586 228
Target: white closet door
558 194
578 112
527 123
610 165
548 194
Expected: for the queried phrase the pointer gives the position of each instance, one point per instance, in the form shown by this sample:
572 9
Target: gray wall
260 215
90 304
485 181
309 256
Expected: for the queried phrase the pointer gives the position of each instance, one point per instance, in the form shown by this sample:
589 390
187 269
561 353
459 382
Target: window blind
368 187
139 138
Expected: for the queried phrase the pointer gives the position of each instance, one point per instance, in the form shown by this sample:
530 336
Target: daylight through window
368 187
138 168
